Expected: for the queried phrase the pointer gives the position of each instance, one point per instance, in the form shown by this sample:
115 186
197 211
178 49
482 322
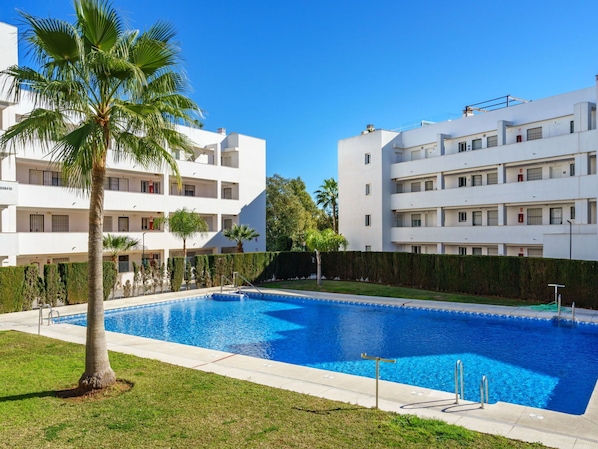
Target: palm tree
326 240
98 87
327 197
184 224
115 245
239 234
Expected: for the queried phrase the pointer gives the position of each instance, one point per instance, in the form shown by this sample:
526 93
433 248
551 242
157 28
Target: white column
501 128
502 249
501 174
502 215
582 209
440 217
440 181
439 248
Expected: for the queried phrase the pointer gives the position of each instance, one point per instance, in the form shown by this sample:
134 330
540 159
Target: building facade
41 221
519 180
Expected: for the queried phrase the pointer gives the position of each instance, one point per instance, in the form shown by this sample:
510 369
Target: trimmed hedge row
508 277
21 287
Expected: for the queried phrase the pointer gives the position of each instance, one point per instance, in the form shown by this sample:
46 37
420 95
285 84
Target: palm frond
51 39
99 23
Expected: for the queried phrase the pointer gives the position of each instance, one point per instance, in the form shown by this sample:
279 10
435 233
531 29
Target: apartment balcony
9 193
527 192
40 243
9 243
517 234
512 154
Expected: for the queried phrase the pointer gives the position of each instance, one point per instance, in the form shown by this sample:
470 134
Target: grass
175 407
390 291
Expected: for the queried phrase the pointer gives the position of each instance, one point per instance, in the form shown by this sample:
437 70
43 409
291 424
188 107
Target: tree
290 212
326 240
97 87
116 245
327 197
184 224
239 234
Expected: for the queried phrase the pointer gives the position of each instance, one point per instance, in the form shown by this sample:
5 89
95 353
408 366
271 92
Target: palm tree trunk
240 247
98 373
319 268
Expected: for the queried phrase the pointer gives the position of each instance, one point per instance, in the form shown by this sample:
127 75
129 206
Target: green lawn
372 289
174 407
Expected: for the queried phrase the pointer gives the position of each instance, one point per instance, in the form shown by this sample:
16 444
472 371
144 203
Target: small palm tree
240 234
184 224
327 197
326 240
97 87
115 245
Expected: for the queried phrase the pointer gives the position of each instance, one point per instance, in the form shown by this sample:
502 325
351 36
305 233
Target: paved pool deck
553 429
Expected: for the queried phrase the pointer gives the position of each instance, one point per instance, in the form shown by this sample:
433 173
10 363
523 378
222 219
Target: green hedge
11 289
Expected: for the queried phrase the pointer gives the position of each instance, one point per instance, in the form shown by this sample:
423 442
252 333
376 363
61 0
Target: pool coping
553 429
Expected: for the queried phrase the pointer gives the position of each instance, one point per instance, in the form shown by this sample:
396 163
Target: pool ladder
459 385
52 315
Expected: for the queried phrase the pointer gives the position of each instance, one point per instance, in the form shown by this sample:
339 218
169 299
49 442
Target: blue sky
305 74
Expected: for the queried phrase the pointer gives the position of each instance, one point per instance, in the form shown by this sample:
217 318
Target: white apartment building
517 180
43 222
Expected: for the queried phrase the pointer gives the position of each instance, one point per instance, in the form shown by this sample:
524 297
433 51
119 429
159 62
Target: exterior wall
515 181
224 181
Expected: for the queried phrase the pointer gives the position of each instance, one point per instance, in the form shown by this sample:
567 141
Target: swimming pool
527 361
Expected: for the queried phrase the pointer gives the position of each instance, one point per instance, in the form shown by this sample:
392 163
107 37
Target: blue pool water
527 361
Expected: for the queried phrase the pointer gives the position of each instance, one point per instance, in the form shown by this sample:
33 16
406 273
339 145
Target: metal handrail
483 391
222 279
237 274
40 319
458 371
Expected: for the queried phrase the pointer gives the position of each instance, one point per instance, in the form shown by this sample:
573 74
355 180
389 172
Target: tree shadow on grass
121 386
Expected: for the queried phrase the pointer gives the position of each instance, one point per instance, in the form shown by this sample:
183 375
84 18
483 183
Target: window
123 224
189 190
112 183
492 178
534 174
462 251
150 187
462 181
368 158
368 220
571 169
52 178
462 147
534 133
107 227
429 185
416 186
227 193
227 223
476 251
60 223
416 249
58 260
492 217
416 220
36 223
571 126
368 248
556 215
476 180
572 213
368 188
534 216
476 144
493 251
399 187
146 223
462 217
534 252
476 218
399 219
123 264
492 141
